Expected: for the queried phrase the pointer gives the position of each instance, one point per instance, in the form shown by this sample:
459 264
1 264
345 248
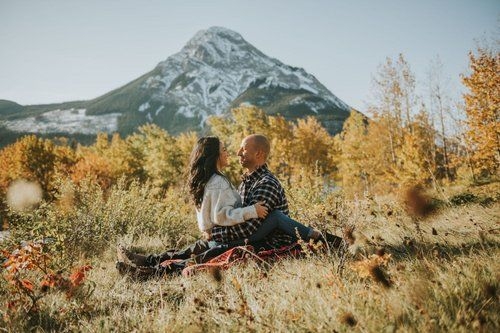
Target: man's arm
267 190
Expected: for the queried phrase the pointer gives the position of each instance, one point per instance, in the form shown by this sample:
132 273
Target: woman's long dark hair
202 166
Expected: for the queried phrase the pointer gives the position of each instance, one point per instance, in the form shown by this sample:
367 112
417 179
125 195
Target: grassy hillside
127 98
9 107
400 273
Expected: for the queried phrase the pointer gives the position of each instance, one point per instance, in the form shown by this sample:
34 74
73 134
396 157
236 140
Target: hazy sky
55 51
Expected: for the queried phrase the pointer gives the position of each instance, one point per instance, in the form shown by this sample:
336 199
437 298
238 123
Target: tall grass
443 277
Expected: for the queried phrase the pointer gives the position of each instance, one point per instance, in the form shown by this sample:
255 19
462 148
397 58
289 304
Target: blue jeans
275 220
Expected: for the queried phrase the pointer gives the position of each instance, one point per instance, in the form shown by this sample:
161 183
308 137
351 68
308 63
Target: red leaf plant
30 275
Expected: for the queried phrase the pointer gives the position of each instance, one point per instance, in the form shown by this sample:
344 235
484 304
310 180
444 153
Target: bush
85 220
28 279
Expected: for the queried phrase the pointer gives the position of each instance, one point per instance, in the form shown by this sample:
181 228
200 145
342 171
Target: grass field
400 274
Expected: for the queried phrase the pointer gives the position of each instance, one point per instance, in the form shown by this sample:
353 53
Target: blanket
240 254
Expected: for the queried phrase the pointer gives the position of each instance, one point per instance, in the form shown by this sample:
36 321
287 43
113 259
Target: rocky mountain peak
214 35
216 45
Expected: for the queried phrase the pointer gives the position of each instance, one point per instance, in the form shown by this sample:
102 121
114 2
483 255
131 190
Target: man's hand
261 209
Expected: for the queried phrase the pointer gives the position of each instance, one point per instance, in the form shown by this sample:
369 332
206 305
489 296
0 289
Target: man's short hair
262 143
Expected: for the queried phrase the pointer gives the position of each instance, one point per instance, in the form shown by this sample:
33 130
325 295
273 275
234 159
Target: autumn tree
298 149
100 163
313 146
380 155
93 166
401 137
185 143
29 158
65 157
395 99
441 112
282 142
416 158
162 162
242 121
352 163
482 107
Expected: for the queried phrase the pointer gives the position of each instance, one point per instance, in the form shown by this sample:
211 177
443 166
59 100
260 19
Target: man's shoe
127 256
332 240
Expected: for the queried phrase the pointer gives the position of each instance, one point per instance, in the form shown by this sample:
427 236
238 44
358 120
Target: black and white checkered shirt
260 185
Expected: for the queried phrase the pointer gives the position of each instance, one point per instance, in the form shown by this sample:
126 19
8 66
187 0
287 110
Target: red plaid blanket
240 254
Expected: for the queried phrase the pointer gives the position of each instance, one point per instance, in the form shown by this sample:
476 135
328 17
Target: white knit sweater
222 205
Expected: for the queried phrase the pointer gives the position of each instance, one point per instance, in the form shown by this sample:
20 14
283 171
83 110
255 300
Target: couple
256 214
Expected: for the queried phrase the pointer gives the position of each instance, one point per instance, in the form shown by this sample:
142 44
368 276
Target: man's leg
278 220
199 252
212 252
198 247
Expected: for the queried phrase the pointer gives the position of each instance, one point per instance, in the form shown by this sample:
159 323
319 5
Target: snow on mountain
70 121
216 66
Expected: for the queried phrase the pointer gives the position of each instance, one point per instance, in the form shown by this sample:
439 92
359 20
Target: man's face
248 154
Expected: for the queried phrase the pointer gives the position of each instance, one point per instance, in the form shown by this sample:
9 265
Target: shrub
85 219
29 277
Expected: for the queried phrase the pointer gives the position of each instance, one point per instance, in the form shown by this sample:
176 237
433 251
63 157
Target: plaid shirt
260 185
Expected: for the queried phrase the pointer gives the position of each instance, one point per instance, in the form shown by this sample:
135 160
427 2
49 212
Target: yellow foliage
30 158
482 107
95 167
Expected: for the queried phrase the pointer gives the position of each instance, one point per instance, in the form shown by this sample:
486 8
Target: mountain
214 72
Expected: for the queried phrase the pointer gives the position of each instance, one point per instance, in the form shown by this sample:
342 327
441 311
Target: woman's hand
261 209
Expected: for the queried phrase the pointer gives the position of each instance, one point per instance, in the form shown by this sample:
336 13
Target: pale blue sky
55 51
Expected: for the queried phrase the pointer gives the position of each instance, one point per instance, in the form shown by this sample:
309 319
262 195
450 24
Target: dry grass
442 278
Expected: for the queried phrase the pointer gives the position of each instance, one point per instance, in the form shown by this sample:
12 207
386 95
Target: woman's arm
220 205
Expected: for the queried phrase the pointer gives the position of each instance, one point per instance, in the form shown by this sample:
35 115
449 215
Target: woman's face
222 162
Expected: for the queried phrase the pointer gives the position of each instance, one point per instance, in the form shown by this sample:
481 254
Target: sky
56 51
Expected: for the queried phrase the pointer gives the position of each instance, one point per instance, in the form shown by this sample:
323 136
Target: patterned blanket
240 254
